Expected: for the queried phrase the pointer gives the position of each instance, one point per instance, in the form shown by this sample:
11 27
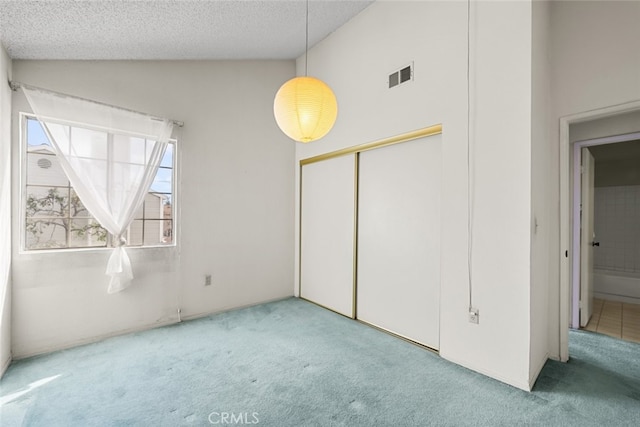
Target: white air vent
403 75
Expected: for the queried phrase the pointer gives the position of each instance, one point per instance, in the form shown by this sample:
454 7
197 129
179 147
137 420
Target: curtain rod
17 85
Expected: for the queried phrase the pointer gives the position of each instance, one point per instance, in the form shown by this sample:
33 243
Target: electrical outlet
474 315
207 280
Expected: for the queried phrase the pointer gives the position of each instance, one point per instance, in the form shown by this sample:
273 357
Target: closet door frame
399 248
331 297
355 151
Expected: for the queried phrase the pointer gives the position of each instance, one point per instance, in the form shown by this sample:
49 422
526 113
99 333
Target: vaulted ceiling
168 29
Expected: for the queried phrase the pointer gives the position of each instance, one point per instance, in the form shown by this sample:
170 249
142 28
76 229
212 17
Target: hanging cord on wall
470 199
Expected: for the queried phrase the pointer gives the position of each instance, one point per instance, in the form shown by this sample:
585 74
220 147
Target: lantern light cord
306 42
305 108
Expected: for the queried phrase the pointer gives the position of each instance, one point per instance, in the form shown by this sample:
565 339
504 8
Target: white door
398 285
587 237
327 233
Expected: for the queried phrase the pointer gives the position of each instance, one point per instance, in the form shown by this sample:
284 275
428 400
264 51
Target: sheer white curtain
110 156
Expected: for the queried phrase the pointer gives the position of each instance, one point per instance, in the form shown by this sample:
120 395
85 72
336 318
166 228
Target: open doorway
610 239
606 280
605 126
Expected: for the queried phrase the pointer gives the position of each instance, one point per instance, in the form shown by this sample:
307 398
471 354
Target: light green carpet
291 363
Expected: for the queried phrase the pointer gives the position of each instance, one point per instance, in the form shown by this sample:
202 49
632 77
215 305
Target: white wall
615 125
613 173
617 228
542 185
355 62
595 64
5 211
235 203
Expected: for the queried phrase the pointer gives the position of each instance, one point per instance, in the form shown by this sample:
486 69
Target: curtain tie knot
121 241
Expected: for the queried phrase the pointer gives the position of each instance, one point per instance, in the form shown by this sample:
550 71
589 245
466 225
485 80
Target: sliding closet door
399 239
327 233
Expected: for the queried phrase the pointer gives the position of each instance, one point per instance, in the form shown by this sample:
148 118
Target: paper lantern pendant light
305 109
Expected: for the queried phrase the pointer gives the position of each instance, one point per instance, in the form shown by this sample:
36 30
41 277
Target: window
54 217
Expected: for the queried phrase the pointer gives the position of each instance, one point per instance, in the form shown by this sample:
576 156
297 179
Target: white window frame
23 119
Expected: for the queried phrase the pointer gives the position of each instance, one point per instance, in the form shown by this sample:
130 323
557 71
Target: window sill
90 250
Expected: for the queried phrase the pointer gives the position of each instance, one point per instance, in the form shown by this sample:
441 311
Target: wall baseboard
522 385
91 340
536 372
5 366
617 298
186 317
171 321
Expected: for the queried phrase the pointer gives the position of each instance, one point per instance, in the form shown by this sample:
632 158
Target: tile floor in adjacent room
616 319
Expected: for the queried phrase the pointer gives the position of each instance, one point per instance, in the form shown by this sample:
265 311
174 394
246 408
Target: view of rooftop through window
55 217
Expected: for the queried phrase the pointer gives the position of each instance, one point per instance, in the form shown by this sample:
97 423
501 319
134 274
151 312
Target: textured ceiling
162 29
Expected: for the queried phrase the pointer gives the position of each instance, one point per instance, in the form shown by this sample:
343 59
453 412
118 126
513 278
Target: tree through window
54 216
